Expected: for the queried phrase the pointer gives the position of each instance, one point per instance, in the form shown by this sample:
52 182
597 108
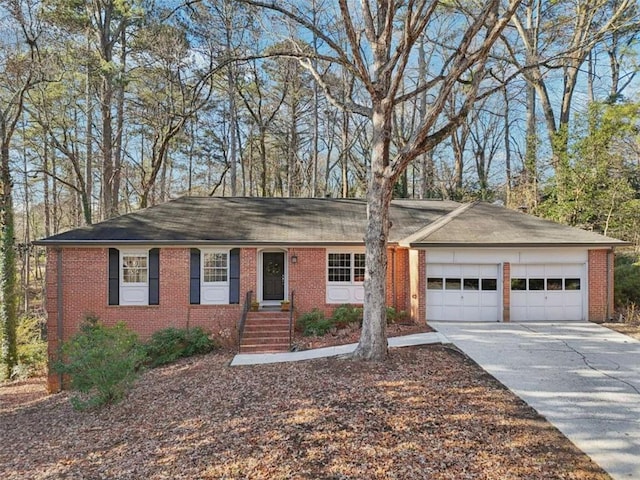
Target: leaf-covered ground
428 412
631 329
351 334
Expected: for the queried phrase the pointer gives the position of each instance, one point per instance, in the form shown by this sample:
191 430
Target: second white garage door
547 292
463 292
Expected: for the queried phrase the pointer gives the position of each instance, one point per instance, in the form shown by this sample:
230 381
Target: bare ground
428 412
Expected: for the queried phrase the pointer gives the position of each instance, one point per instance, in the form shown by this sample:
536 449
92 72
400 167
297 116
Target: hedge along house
191 262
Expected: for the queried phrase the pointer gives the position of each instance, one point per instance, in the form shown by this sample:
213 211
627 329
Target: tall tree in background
382 37
171 88
107 23
602 193
263 104
103 26
17 67
571 30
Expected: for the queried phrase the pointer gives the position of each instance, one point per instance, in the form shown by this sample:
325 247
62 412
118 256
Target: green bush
347 314
170 344
314 323
32 349
102 363
627 280
394 315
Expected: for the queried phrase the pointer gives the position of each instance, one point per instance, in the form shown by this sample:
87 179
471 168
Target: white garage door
547 292
464 293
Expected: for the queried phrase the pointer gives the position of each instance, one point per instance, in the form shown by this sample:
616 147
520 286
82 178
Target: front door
273 276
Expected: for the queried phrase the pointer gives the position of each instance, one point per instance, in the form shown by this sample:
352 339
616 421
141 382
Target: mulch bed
427 412
349 334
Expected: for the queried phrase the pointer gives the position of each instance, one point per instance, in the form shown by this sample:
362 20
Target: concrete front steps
266 332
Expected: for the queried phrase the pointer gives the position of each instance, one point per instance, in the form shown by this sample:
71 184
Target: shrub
170 344
627 280
314 323
32 349
346 314
102 363
394 315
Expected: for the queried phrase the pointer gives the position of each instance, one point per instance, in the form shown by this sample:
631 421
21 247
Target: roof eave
241 243
616 243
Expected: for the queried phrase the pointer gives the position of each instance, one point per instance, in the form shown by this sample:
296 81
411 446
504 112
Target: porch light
294 259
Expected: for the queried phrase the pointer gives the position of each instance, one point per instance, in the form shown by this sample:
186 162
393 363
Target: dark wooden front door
273 276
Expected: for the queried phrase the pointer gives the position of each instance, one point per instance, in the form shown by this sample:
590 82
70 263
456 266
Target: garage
463 292
541 271
547 292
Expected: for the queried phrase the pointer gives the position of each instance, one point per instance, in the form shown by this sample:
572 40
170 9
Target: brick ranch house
191 262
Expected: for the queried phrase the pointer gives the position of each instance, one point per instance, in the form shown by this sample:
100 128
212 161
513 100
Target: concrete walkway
262 358
584 378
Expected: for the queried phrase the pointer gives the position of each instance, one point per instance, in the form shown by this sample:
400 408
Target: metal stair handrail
243 317
292 306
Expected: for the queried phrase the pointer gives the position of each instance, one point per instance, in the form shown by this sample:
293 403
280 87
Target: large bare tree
382 38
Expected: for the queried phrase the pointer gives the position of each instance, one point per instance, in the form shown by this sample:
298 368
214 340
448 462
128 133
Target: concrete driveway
584 378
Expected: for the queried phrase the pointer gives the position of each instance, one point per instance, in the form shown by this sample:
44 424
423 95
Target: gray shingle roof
324 221
253 221
483 224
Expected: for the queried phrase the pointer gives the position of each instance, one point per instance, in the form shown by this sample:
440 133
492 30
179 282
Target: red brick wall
506 292
422 286
308 278
398 285
248 272
600 285
85 292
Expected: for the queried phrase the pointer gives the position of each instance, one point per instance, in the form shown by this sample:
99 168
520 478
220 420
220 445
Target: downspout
393 278
60 307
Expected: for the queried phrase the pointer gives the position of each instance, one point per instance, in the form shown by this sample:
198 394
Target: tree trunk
344 156
89 142
507 148
54 193
45 187
8 297
531 151
117 145
316 114
373 339
233 163
26 264
107 150
263 161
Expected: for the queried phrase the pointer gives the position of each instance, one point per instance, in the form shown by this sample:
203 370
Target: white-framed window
215 267
134 277
214 277
135 267
345 276
345 267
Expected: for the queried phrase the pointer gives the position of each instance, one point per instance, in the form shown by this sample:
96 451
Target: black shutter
194 284
114 276
154 276
234 276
